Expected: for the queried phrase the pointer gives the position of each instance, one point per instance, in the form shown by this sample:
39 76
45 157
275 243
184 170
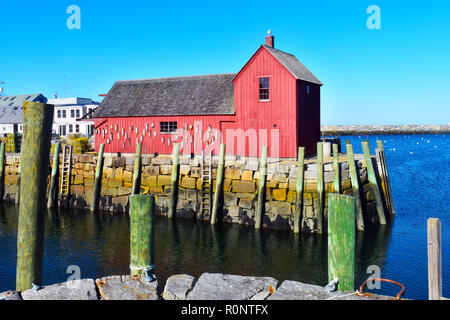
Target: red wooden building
273 100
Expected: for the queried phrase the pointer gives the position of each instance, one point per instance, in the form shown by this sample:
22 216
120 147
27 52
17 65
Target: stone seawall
239 194
342 130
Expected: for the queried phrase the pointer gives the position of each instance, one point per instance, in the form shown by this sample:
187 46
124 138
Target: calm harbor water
99 244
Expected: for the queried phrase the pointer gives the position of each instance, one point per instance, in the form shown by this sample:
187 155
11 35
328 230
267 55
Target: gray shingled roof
196 95
11 107
291 63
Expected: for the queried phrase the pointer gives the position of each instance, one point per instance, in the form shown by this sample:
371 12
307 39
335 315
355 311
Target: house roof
11 107
291 63
195 95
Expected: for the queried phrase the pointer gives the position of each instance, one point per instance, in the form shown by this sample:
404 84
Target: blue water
99 244
419 170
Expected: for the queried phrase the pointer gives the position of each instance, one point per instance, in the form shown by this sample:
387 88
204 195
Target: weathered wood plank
320 187
38 119
341 240
434 259
373 182
54 177
261 188
299 189
136 189
142 235
174 181
355 187
219 183
337 180
98 179
386 179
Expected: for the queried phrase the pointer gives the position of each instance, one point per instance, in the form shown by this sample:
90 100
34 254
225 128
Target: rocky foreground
342 130
209 286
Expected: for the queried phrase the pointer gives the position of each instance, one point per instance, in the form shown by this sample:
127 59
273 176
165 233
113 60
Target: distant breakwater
342 130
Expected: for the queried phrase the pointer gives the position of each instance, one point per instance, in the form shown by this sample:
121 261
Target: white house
73 115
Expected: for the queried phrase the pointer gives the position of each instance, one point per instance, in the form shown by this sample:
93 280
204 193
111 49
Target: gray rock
177 287
10 295
294 290
126 288
252 165
83 289
216 286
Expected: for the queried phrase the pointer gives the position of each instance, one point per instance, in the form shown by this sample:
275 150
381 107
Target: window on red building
264 88
168 127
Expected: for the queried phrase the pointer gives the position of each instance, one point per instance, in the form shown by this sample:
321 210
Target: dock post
174 181
387 183
355 187
261 187
337 180
219 183
19 178
35 152
320 187
434 259
299 190
137 170
54 177
142 235
2 171
373 182
341 240
98 179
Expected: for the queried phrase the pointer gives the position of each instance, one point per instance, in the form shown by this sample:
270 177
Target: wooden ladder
206 191
66 170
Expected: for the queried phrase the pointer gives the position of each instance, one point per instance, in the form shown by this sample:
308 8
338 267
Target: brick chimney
270 40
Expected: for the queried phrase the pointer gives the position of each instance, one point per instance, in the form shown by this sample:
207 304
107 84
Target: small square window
264 88
72 113
168 127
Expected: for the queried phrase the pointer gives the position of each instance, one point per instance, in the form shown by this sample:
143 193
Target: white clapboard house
73 116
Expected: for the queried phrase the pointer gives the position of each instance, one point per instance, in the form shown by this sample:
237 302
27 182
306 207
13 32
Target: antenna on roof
55 96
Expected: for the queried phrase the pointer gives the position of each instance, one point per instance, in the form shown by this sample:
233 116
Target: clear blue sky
396 75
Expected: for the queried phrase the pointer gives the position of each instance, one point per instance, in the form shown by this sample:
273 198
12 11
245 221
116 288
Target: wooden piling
98 179
54 177
19 178
2 171
142 235
299 190
137 170
320 187
341 240
261 187
35 156
174 181
337 180
434 259
373 182
385 179
219 183
355 187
